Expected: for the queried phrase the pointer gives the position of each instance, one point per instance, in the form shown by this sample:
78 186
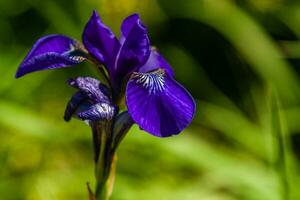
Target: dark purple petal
158 104
92 88
135 48
99 40
74 103
97 112
50 52
155 61
127 25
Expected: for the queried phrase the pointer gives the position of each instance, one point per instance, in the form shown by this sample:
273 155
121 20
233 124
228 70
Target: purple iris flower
134 69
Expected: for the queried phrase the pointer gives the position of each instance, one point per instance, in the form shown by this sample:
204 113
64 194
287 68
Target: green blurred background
239 58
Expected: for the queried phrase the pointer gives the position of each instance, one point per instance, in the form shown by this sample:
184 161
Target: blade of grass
279 142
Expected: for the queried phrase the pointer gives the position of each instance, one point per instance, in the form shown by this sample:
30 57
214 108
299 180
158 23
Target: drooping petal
99 40
158 104
97 112
135 48
50 52
155 61
92 88
74 103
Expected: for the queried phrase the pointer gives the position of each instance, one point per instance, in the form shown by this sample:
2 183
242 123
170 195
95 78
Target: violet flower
133 69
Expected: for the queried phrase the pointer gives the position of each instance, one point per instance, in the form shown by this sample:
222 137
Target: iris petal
135 48
99 111
99 40
155 61
127 25
92 88
74 103
158 104
92 102
50 52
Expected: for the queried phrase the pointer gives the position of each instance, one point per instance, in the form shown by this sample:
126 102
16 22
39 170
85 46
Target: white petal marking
153 81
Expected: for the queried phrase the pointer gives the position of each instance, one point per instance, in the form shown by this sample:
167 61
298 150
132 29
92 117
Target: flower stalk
105 159
104 187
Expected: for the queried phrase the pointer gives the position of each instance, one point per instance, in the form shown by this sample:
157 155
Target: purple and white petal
50 52
98 112
158 104
92 88
155 61
100 41
135 49
74 103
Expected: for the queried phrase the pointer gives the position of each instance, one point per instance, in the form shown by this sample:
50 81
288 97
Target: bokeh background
239 58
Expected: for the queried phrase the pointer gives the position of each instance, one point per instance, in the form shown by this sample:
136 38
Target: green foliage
238 58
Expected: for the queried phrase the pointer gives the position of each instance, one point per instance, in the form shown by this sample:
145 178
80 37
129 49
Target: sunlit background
239 58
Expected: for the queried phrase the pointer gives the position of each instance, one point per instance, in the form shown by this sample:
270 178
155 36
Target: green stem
104 187
105 160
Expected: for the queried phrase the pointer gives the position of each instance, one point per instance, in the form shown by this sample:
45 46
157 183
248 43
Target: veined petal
155 61
97 112
158 104
99 40
74 103
135 48
92 88
50 52
92 102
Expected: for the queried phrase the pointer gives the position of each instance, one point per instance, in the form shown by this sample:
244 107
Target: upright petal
158 104
127 25
155 61
50 52
99 40
135 48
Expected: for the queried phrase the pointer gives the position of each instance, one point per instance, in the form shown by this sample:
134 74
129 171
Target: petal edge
51 52
135 49
100 41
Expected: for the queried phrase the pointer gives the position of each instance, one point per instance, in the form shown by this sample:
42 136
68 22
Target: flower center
153 81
